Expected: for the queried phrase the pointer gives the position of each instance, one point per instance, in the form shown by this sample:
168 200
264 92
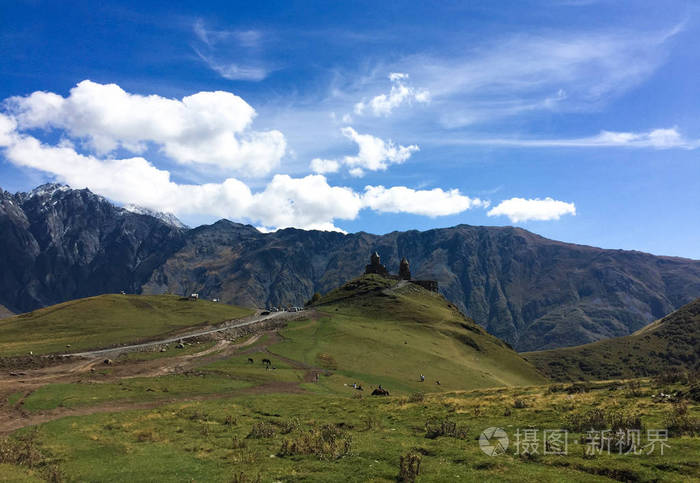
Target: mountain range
59 244
667 346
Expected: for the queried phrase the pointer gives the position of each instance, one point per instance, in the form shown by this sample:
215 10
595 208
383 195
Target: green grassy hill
669 344
107 320
378 331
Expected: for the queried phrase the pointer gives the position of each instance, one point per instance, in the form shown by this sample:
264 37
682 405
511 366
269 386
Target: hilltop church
375 267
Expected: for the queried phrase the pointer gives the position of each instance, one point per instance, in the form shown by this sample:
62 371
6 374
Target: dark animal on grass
250 360
267 361
380 392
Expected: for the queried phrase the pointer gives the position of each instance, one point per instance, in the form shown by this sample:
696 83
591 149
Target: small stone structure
375 267
404 271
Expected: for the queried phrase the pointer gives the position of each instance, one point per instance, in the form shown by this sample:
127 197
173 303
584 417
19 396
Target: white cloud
234 70
206 128
555 71
520 209
668 138
322 166
374 153
308 202
218 45
400 93
435 202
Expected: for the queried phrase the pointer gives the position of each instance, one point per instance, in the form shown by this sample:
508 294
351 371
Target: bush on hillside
327 442
409 467
435 429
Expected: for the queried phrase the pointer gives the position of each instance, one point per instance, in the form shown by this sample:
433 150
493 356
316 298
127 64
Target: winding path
254 319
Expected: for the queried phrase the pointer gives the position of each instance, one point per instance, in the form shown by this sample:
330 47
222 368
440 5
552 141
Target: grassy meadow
107 320
225 418
329 437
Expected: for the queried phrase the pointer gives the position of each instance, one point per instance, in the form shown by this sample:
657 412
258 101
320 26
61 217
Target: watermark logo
493 441
532 441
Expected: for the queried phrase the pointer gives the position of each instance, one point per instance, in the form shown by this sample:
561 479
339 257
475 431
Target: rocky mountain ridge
532 292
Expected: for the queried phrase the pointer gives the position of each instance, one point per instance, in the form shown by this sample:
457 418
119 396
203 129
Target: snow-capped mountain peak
168 218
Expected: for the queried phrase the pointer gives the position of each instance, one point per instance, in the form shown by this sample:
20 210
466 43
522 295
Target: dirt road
234 324
85 367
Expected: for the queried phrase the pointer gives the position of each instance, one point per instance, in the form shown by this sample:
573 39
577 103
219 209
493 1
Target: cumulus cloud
435 202
374 154
206 128
322 166
400 93
308 202
521 209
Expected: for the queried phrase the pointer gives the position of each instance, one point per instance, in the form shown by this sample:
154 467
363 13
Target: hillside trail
399 285
246 321
13 416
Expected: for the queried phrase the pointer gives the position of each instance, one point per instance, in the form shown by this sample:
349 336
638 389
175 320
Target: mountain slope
532 292
4 313
378 331
669 344
59 244
105 321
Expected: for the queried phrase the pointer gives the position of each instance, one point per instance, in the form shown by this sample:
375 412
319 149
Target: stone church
375 267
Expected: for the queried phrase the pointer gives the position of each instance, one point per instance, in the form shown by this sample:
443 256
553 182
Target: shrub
679 422
409 467
672 377
445 427
145 437
292 424
261 430
555 388
23 450
327 442
416 397
623 419
694 393
519 404
578 388
634 389
20 451
371 422
597 418
240 477
315 298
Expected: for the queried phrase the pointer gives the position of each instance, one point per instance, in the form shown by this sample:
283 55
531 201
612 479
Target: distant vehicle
214 300
293 309
194 296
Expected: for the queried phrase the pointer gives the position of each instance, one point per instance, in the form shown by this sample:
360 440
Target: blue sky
578 120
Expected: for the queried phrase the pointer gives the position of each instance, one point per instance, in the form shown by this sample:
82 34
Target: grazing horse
380 392
267 361
250 360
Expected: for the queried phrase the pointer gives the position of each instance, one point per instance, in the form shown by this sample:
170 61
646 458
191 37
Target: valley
214 410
